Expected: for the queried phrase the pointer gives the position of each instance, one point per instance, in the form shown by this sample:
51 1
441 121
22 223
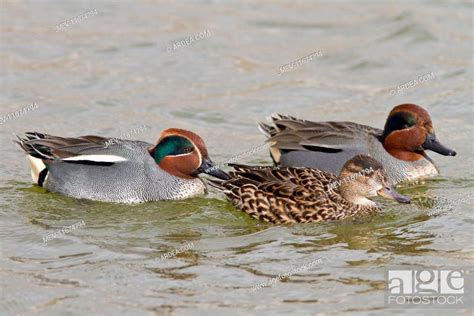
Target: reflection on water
112 73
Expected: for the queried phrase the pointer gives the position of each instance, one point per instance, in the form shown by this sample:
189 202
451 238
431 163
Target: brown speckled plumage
296 195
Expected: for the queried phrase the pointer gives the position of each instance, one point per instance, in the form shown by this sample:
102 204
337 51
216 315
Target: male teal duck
400 146
301 195
116 170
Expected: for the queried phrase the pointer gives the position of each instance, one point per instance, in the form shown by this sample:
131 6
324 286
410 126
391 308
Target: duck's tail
216 184
271 128
36 155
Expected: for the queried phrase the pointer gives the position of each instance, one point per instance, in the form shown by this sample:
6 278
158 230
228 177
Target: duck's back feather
324 145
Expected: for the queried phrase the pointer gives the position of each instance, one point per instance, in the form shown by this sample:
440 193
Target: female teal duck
301 195
115 170
400 146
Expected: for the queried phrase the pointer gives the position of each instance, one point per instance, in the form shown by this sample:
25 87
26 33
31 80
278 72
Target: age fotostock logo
424 287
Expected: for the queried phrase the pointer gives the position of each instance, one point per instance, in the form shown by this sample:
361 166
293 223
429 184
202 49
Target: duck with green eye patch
126 171
401 146
172 146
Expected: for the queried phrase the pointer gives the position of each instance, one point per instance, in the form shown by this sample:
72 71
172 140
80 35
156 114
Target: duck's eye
187 150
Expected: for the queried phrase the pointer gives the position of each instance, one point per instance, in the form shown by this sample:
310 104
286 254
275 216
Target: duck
282 195
119 170
400 147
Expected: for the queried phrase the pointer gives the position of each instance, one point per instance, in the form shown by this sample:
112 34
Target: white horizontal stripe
180 155
97 158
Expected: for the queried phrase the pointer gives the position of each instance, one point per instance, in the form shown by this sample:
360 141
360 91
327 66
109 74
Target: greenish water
112 73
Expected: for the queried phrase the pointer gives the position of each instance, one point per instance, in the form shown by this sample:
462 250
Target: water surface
114 72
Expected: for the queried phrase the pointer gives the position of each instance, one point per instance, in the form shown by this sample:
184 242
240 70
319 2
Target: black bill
210 168
432 143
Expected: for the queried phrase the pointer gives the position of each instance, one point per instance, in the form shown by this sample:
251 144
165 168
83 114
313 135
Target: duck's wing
88 149
71 157
287 132
325 145
277 195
